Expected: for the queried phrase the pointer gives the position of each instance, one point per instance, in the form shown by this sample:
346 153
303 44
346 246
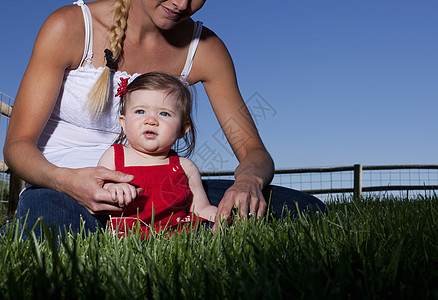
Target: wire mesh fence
332 182
5 109
325 183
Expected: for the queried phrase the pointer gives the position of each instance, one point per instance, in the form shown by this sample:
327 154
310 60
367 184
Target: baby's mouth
150 133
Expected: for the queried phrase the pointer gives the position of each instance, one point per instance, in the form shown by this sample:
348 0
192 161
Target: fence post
16 185
357 188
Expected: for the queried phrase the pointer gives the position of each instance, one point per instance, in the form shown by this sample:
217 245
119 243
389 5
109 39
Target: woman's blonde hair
98 96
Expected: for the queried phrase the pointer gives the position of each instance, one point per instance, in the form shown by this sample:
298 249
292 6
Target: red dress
165 200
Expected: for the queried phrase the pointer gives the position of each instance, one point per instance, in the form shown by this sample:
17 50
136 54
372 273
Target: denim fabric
57 210
60 210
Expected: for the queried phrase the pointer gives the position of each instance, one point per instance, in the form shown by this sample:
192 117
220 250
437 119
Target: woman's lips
171 13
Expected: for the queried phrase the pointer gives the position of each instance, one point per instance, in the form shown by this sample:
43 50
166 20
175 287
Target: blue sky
330 82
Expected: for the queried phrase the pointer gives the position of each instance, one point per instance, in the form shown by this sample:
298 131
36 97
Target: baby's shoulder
107 159
188 165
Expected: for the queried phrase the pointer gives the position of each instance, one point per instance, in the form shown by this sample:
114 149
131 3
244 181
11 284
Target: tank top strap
88 20
119 156
173 158
197 30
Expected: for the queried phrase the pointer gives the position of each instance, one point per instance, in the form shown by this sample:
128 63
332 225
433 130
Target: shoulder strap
173 158
88 49
119 156
197 30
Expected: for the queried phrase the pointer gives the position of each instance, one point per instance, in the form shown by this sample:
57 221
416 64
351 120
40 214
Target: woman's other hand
85 185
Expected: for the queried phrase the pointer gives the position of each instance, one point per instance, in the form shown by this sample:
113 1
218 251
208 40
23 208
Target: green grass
372 248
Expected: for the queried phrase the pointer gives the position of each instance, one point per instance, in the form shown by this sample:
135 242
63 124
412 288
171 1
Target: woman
56 136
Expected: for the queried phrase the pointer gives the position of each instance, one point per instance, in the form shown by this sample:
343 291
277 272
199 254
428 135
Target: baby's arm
122 193
200 205
107 159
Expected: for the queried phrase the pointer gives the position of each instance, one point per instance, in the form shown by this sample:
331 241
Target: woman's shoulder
62 36
67 19
212 58
210 39
72 13
66 22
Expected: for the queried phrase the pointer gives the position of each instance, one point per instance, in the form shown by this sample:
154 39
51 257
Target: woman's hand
86 186
246 196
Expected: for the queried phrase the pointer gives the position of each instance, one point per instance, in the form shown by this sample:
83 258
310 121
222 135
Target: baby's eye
163 113
140 111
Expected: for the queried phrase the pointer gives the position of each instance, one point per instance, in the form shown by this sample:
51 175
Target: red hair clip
121 90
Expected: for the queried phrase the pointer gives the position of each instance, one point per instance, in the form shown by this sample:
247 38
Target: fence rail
325 177
357 171
5 108
11 182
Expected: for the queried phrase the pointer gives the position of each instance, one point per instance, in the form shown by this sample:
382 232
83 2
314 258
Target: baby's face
152 122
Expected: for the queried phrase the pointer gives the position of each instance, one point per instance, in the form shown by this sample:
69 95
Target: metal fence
324 182
357 180
5 112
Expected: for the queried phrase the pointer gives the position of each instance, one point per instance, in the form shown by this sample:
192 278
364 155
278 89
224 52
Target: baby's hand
122 193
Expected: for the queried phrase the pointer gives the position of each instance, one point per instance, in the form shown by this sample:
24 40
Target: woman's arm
200 205
58 46
213 64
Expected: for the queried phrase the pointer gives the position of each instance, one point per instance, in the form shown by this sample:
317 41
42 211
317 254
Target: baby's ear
184 129
122 121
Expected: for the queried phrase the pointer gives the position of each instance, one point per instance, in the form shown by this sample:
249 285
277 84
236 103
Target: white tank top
71 138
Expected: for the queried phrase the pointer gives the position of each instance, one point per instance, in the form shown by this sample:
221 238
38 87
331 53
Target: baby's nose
151 120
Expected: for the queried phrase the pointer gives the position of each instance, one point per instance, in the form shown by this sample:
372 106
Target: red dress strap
173 158
119 156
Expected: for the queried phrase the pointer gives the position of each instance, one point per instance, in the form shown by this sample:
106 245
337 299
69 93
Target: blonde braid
98 96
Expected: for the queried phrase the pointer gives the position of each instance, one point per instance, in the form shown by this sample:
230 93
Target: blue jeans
56 209
60 210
